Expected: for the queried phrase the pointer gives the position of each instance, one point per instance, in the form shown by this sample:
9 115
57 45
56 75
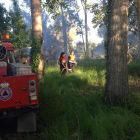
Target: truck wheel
26 122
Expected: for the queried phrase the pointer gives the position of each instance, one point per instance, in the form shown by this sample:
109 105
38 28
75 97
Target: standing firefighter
71 61
63 63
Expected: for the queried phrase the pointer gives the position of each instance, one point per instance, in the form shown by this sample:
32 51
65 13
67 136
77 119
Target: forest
100 100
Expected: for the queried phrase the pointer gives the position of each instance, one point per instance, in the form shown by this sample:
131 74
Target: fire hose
70 70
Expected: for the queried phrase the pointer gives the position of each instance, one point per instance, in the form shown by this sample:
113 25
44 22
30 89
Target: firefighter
71 61
63 63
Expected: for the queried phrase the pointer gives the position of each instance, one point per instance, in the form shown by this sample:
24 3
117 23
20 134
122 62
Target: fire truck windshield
10 57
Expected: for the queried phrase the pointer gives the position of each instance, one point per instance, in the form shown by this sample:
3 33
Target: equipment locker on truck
18 89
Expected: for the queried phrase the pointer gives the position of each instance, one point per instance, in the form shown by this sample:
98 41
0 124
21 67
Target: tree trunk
138 16
86 26
117 88
84 4
104 27
38 32
64 28
104 2
83 40
81 31
68 39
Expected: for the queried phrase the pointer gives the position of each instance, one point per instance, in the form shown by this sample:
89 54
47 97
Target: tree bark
117 88
104 2
84 4
86 26
138 16
64 28
38 32
104 27
83 40
82 33
68 39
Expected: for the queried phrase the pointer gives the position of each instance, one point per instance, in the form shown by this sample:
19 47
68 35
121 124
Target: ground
72 106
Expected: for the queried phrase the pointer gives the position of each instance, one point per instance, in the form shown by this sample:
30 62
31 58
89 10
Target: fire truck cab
18 90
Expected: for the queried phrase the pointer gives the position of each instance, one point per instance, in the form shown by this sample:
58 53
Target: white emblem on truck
5 92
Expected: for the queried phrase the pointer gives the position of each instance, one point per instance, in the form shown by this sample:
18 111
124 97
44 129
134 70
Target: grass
71 106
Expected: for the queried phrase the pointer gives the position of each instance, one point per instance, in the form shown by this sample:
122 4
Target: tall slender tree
64 28
84 4
37 60
138 15
117 88
104 27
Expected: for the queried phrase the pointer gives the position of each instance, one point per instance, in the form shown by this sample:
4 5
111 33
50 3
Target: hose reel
3 52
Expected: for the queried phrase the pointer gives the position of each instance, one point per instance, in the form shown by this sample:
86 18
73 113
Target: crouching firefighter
63 63
71 61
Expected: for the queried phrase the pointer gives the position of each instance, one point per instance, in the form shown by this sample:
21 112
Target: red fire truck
18 90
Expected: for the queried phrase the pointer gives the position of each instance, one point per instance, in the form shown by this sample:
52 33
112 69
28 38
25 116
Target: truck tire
26 122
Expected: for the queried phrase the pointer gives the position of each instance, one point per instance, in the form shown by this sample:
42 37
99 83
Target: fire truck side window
10 57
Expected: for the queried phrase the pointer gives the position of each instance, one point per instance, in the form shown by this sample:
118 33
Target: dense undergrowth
72 107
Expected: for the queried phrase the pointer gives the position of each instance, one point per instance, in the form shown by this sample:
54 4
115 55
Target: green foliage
4 19
134 68
53 7
133 55
87 56
12 23
35 53
19 34
87 6
99 11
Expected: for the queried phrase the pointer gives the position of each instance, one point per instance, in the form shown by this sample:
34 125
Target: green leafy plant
35 53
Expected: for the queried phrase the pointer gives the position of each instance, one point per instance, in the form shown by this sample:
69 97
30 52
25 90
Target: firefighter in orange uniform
71 61
63 63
